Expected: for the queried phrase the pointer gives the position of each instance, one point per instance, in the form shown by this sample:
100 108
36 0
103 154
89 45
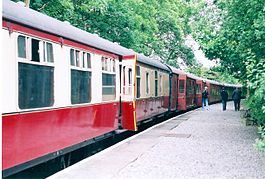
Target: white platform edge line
62 172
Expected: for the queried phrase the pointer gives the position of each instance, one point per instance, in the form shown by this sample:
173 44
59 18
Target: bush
256 100
260 143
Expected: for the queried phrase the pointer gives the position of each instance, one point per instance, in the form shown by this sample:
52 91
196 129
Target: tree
154 28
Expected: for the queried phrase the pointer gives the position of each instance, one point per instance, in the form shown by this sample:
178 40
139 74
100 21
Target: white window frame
28 58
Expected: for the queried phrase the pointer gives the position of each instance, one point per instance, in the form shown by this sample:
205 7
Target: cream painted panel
117 79
126 95
152 82
9 79
143 70
96 79
62 76
165 84
143 81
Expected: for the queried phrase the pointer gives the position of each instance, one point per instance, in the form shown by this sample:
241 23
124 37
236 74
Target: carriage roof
26 16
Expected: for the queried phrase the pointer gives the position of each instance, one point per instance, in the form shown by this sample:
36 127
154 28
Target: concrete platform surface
199 144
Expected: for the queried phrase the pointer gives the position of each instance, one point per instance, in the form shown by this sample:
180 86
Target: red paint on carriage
199 88
186 95
149 107
174 93
30 135
128 116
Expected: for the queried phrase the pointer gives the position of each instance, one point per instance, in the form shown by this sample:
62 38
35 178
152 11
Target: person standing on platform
224 96
236 96
205 98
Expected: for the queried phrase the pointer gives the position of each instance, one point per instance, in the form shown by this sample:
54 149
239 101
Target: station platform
198 144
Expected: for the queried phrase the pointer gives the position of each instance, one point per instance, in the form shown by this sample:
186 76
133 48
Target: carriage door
128 93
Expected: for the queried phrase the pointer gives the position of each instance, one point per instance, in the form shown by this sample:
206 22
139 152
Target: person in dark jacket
236 96
205 98
224 96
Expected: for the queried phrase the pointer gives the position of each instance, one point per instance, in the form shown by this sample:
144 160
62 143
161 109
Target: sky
199 55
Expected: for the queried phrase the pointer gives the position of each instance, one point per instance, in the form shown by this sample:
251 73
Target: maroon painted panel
182 95
149 107
199 92
128 121
174 92
215 93
190 92
31 135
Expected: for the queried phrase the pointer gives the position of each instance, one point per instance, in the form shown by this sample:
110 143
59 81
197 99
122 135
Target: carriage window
147 83
113 65
88 60
155 74
34 50
35 81
108 79
83 59
161 83
72 57
156 84
181 86
130 76
124 82
80 59
80 77
80 86
138 82
198 88
77 58
137 71
49 50
190 87
129 88
21 41
103 63
35 85
108 86
35 56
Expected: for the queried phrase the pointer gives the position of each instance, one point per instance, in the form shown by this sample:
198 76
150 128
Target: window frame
108 67
138 77
82 68
28 50
82 59
41 64
156 83
147 81
182 90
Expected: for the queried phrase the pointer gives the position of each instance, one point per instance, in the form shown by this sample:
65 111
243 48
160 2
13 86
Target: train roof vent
67 22
21 3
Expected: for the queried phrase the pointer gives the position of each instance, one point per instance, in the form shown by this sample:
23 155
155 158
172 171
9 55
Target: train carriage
214 91
200 84
186 91
64 88
51 105
150 96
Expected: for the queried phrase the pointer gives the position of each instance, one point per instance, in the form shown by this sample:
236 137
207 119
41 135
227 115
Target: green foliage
238 35
256 84
152 27
234 32
215 73
260 143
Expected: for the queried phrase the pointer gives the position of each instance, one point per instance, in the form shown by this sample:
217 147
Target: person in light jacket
205 95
